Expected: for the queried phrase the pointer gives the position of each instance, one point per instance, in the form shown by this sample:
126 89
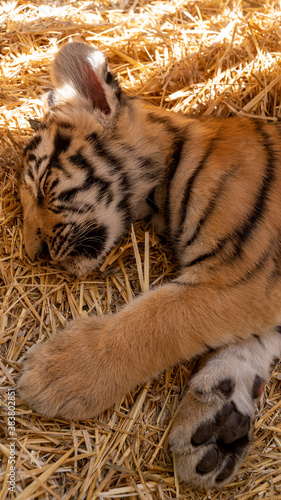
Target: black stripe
91 241
44 174
100 149
59 226
30 173
191 181
257 213
68 208
147 167
34 123
31 145
38 163
40 197
257 337
210 254
208 349
117 167
211 205
150 200
66 125
57 229
91 179
31 158
123 207
55 163
258 266
68 194
166 122
112 161
53 184
60 244
178 145
113 82
45 125
80 161
57 210
61 142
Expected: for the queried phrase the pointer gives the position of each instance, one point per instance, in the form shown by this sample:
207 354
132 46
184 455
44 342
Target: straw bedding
201 57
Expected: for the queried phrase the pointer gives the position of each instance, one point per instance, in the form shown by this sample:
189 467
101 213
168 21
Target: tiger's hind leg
211 432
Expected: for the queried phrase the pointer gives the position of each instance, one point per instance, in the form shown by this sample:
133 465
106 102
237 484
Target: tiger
101 160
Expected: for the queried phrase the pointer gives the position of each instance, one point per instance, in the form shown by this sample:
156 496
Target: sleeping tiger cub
101 160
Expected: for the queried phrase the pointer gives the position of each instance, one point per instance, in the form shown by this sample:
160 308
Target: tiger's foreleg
94 362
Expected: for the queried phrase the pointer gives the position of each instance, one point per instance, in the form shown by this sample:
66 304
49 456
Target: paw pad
226 386
208 462
202 433
227 469
231 424
228 426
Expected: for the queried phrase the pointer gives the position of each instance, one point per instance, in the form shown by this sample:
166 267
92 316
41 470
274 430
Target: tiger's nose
43 253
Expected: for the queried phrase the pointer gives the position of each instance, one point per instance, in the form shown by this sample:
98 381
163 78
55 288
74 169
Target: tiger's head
74 210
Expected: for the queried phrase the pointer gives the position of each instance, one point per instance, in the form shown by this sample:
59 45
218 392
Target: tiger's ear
80 76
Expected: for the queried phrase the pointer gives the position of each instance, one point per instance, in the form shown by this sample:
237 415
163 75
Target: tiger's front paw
72 375
211 433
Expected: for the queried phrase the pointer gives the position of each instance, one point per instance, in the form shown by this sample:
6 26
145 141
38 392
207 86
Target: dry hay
201 57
